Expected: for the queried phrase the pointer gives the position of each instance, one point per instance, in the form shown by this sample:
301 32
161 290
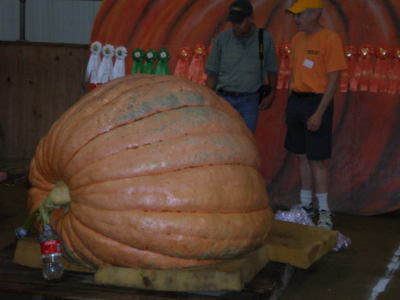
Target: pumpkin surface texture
160 172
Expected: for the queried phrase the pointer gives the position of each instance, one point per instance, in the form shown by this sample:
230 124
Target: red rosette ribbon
394 72
284 52
347 79
196 67
364 68
379 81
182 64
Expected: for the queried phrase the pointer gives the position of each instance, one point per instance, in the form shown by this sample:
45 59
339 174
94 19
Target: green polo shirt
235 61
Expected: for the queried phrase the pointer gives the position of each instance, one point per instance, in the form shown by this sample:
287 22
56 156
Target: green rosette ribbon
162 66
137 56
149 59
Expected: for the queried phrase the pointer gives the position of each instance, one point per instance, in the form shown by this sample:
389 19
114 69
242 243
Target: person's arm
211 82
314 122
267 101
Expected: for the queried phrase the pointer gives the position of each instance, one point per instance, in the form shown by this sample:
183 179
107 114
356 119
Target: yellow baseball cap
301 5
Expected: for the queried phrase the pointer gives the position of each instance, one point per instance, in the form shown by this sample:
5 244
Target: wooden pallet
288 243
17 280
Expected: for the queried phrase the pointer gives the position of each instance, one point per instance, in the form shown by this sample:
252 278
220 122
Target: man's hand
267 101
314 122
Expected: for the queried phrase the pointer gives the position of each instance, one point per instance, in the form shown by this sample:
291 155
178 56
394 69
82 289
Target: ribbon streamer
137 56
149 59
284 67
182 65
379 80
196 67
94 61
347 79
162 65
364 68
105 69
119 65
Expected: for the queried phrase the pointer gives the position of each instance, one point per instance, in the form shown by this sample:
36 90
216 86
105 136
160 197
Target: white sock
306 198
322 201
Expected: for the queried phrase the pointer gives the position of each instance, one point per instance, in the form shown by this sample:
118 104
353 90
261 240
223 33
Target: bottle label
50 247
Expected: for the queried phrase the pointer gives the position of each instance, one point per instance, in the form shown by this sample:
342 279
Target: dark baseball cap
239 10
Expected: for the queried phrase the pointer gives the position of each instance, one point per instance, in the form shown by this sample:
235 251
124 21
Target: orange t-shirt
313 57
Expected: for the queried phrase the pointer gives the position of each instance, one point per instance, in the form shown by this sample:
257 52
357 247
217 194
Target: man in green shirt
234 67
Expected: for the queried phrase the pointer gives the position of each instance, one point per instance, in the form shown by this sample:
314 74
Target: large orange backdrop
365 169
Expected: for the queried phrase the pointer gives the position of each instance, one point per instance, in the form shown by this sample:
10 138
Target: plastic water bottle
50 246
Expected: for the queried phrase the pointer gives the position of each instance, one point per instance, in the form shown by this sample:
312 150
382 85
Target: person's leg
247 106
318 152
306 185
319 169
295 143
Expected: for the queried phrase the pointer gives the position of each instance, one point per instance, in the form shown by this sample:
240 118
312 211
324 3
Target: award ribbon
364 69
284 52
162 65
182 65
149 59
348 81
196 67
105 69
119 65
137 56
94 61
379 80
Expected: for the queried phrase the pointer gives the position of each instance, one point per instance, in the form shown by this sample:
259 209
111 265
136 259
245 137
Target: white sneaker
325 219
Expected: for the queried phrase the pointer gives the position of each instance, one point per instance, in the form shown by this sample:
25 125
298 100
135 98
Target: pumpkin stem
58 197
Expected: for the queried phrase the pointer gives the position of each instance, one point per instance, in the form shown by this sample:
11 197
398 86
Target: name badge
308 63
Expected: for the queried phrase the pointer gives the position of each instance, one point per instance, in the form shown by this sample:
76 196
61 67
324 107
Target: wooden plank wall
38 82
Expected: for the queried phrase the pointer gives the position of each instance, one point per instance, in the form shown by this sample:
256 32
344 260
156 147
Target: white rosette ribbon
94 61
119 65
106 66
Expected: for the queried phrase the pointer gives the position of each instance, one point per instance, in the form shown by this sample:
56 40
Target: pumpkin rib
137 147
61 125
159 260
154 128
132 121
175 150
174 190
174 245
80 246
66 234
85 111
37 179
190 233
40 166
181 95
168 207
149 211
163 172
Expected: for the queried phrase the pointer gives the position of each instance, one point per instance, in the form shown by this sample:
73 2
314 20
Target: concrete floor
350 274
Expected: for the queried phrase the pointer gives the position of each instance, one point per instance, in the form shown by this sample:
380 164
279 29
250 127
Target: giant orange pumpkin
161 172
365 167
